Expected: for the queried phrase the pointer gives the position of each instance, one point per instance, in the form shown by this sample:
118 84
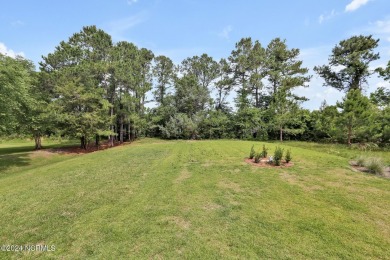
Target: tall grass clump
360 161
375 165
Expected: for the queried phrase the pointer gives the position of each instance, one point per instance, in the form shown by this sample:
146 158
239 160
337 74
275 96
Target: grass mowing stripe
186 199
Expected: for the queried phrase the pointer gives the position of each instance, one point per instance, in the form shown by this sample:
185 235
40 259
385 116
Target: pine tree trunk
38 141
132 133
281 133
97 140
220 101
128 131
83 143
111 138
121 132
349 134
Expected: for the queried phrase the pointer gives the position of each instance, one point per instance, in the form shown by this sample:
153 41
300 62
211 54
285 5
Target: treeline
93 89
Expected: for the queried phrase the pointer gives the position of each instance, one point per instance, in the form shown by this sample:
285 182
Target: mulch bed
264 163
90 149
386 172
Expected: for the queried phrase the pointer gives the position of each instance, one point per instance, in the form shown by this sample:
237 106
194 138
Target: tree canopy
96 90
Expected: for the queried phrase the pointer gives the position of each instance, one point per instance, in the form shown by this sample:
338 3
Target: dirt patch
264 163
289 178
178 221
41 154
207 164
211 206
230 185
292 179
184 175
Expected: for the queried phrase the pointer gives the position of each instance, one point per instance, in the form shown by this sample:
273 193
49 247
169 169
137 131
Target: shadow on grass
11 160
18 149
19 156
30 147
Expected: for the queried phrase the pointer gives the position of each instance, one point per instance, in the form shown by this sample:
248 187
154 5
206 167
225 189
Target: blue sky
181 29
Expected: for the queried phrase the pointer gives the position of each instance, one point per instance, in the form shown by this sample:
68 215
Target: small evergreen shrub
278 155
252 153
257 157
375 165
264 153
288 157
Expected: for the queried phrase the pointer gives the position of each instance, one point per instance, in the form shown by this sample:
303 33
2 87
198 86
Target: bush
288 156
278 155
375 165
257 157
264 153
252 153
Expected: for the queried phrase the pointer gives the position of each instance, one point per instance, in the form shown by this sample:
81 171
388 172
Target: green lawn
192 199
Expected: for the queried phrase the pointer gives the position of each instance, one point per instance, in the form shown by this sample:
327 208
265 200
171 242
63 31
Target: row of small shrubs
372 164
278 155
257 156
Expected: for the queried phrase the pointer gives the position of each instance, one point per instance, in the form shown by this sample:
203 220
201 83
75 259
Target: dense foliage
92 88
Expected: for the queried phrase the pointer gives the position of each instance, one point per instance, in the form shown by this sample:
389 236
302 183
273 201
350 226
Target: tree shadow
13 160
18 149
20 156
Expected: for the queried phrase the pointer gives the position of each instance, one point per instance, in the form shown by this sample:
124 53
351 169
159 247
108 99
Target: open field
192 199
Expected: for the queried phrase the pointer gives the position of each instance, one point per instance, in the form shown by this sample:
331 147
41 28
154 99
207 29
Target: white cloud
324 17
8 52
117 28
383 84
381 27
130 2
355 4
226 32
17 23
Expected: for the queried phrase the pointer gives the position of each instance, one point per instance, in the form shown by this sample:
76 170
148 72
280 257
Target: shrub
278 155
264 153
257 157
375 165
252 153
288 156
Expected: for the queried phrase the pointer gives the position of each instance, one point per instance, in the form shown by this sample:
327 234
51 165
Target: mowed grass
194 199
18 154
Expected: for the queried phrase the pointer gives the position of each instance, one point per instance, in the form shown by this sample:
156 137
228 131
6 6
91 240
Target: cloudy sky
183 28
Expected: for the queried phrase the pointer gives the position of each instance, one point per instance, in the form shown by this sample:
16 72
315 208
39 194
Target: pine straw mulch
90 149
264 163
